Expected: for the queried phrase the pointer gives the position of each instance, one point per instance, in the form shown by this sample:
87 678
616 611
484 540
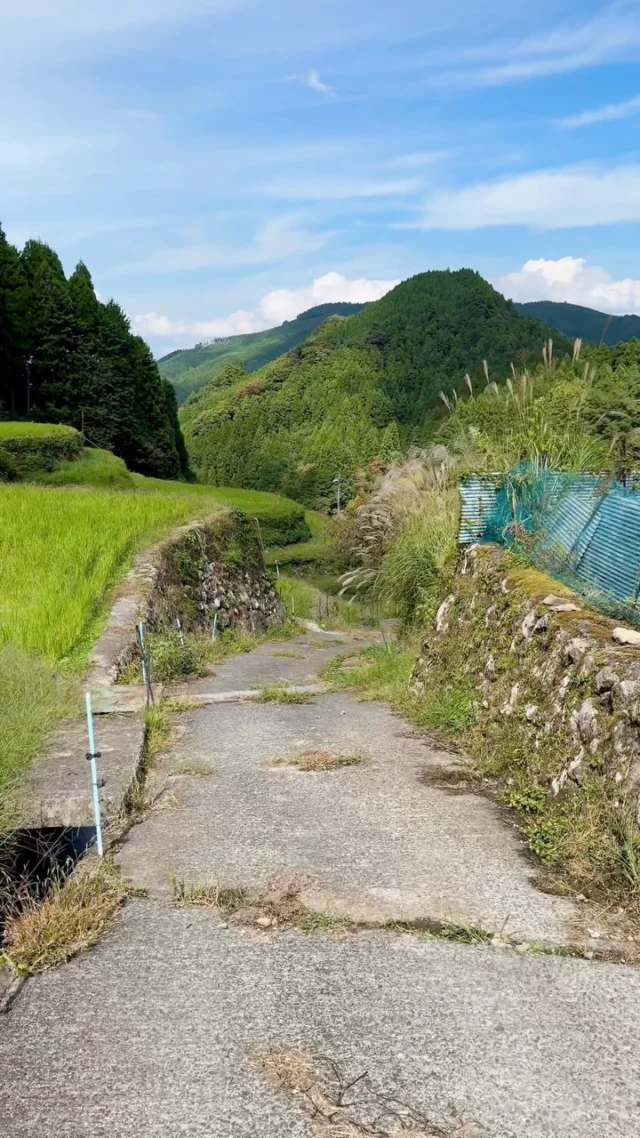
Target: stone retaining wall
561 681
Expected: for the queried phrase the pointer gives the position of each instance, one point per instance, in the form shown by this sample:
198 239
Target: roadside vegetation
62 550
42 933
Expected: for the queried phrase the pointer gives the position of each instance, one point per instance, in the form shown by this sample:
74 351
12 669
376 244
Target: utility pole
28 386
337 482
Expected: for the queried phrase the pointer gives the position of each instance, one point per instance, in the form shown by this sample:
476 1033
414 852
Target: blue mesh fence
582 529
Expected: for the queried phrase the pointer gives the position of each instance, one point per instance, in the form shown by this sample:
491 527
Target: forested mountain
191 369
357 389
586 323
67 358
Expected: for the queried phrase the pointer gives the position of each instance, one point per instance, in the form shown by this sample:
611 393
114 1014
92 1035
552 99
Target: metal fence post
92 756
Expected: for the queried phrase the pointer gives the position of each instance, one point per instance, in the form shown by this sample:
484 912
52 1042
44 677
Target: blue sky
222 164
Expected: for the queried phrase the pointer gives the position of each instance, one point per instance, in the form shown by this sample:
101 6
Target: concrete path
160 1030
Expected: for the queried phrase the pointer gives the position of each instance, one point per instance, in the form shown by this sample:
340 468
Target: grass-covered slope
357 388
584 323
191 369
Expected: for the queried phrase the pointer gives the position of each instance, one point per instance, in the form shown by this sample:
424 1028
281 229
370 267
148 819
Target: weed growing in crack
69 920
322 760
278 693
345 1106
196 770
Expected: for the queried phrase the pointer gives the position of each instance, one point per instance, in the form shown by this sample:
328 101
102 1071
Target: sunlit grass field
62 551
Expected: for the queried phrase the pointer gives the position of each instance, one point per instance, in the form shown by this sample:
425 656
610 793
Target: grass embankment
35 430
383 673
62 549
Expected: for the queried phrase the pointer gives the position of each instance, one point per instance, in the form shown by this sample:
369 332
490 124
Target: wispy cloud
608 113
339 189
314 81
277 239
547 199
419 159
274 308
571 279
612 34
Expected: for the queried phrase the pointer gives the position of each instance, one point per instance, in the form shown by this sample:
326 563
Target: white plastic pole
94 776
215 626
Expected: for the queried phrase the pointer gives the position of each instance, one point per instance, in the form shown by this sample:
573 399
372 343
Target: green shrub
8 468
170 659
36 447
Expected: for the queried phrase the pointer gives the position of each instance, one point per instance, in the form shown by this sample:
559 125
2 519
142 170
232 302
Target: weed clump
72 918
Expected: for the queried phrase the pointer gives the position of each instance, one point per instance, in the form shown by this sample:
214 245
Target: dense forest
65 357
360 388
584 323
191 369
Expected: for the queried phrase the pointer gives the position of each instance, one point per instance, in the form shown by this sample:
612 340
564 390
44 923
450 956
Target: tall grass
62 550
96 468
32 697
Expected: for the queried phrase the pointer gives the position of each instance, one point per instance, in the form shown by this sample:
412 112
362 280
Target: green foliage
587 324
171 659
95 468
356 390
38 447
66 357
280 519
418 556
193 369
551 415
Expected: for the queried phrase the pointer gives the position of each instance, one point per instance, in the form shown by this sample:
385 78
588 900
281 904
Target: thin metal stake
92 756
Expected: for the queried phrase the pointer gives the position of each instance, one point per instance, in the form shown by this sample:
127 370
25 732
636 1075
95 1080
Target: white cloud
571 279
547 199
274 308
314 81
236 324
609 113
284 304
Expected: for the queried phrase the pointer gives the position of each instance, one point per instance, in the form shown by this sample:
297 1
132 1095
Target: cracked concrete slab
155 1033
159 1029
385 845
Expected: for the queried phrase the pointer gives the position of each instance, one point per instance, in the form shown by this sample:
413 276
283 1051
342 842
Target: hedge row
28 454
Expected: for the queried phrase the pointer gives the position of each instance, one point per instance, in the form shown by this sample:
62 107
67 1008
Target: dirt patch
453 781
275 908
350 1105
313 760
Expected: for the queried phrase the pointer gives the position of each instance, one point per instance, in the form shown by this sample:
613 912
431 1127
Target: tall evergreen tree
37 253
14 329
65 357
53 393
